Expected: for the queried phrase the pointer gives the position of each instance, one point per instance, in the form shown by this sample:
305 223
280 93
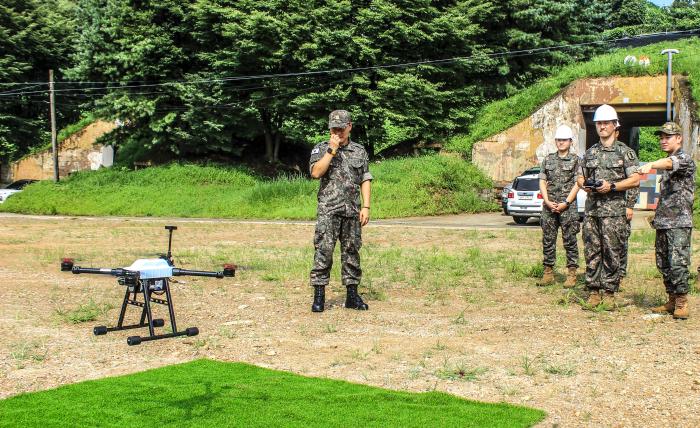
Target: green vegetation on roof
207 393
501 115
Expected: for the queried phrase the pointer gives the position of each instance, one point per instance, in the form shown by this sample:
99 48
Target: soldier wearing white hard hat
608 169
558 187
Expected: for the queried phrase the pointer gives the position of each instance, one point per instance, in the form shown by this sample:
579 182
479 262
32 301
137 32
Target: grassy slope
501 115
208 393
403 187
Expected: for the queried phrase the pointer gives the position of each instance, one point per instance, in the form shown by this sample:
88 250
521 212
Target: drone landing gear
147 288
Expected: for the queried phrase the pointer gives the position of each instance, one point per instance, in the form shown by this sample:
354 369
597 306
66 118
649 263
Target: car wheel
521 220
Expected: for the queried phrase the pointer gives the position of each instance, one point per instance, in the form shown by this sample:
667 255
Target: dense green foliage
502 114
207 393
206 47
35 36
427 185
178 74
649 149
631 17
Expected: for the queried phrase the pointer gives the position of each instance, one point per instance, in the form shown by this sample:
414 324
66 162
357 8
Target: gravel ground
498 340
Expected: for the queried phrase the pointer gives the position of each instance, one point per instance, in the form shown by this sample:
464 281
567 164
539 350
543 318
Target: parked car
504 197
14 187
508 187
581 202
525 199
522 198
533 170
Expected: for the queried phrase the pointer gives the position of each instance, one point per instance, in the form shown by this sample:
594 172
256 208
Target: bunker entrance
632 117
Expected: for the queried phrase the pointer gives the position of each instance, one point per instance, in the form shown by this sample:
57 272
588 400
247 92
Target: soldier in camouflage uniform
614 168
631 197
674 218
558 187
342 167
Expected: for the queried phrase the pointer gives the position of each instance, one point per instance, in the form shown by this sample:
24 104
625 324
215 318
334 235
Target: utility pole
54 146
669 82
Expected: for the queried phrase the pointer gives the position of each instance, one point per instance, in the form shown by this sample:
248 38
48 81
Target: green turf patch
428 185
206 393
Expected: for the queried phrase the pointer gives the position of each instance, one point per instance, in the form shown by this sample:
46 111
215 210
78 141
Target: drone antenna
170 242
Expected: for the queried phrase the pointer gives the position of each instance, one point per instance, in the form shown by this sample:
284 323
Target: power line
520 52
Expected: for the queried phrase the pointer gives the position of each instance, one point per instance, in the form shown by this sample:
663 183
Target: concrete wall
76 153
505 155
684 113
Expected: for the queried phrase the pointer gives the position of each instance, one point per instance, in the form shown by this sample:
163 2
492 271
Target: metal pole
669 82
53 127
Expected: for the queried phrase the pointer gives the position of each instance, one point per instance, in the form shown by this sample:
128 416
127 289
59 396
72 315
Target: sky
662 2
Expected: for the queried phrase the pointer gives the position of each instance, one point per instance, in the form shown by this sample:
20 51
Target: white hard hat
564 133
605 112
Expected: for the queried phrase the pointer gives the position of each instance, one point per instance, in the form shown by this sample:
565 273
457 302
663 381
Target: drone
150 279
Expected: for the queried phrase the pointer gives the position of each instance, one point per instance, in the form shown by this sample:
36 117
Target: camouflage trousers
329 229
623 261
604 242
673 258
569 224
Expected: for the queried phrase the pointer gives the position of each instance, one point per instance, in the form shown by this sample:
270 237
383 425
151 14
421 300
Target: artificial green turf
206 393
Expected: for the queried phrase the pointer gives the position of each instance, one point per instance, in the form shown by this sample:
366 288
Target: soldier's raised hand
334 141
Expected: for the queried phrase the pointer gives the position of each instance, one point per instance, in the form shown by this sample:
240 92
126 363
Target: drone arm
100 271
183 272
229 270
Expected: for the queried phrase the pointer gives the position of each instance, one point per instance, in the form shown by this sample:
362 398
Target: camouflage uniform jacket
560 174
339 191
675 209
612 164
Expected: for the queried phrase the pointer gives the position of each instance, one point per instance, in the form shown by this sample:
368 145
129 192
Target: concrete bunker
640 101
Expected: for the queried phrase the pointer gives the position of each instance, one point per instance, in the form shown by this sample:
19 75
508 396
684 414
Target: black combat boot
354 301
319 298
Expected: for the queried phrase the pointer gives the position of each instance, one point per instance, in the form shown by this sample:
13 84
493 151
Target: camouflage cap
669 128
339 119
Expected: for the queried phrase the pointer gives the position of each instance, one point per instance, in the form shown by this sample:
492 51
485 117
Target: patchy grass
210 393
459 371
27 351
85 312
428 185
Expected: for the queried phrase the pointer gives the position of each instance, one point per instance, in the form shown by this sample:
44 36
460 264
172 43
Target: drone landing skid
131 298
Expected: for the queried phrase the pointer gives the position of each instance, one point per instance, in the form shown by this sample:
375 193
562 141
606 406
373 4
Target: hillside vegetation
501 115
428 185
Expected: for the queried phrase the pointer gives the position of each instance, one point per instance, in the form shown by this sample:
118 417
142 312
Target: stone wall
684 114
76 153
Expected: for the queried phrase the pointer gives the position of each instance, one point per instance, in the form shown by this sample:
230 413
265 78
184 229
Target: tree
182 82
35 36
628 12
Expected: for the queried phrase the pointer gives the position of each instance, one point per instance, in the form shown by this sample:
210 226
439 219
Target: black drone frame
147 288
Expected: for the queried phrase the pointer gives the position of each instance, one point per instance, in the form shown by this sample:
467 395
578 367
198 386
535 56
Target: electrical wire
529 51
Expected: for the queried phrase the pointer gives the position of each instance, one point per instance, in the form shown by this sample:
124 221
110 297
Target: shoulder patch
316 150
630 155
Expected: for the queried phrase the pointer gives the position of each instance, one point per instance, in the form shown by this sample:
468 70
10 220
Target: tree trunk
278 138
267 129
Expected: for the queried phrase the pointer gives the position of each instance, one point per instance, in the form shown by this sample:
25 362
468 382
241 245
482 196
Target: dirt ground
481 330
